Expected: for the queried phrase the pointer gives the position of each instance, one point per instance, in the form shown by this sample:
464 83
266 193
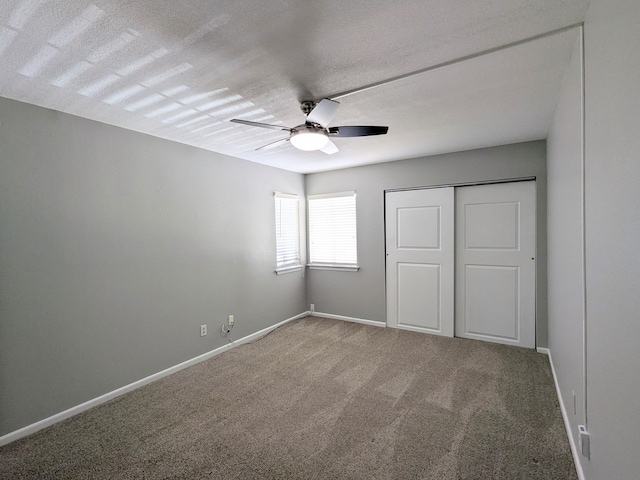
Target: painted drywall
361 294
565 229
115 247
612 182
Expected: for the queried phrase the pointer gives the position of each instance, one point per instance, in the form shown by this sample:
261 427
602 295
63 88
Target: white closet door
420 267
495 265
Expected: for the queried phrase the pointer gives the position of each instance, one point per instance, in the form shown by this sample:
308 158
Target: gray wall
565 229
611 227
612 180
114 248
362 294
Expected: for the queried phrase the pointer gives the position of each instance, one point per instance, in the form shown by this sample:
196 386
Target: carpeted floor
321 399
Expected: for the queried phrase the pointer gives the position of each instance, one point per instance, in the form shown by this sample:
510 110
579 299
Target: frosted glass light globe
309 141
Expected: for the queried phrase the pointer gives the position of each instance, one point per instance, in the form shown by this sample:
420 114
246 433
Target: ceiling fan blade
323 112
277 143
361 131
330 148
261 125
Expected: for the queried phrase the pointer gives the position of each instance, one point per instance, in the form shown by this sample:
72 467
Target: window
287 232
332 231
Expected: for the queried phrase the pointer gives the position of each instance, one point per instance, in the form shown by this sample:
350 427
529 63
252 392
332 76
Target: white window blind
332 229
287 231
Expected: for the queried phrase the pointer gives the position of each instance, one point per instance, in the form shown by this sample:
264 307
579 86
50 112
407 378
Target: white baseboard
544 351
348 319
565 418
58 417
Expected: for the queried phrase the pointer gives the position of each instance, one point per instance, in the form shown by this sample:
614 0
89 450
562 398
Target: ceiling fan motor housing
307 105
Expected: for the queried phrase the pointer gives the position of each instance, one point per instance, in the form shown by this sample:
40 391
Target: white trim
463 184
348 193
373 323
58 417
282 271
333 266
583 195
286 195
574 451
287 230
544 351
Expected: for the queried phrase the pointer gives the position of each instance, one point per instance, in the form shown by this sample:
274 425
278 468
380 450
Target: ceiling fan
315 133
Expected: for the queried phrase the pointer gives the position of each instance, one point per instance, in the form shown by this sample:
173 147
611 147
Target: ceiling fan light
309 141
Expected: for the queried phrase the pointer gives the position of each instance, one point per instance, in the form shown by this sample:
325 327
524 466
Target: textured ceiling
490 70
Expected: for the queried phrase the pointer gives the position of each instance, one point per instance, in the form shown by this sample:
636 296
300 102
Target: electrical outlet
231 320
203 330
313 308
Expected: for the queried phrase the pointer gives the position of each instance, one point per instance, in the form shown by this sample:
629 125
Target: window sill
337 267
282 271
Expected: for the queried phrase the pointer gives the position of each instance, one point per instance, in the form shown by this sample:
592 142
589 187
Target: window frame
328 265
290 266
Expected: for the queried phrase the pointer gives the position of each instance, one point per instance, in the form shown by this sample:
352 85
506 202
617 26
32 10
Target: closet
461 261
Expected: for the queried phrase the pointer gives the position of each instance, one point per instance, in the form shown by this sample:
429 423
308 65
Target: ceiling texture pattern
488 72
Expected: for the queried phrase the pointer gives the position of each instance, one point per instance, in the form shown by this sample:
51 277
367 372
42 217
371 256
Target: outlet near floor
203 330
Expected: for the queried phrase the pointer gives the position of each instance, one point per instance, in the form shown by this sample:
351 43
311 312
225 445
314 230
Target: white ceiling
490 71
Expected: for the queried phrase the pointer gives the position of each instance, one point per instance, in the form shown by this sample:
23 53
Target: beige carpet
321 399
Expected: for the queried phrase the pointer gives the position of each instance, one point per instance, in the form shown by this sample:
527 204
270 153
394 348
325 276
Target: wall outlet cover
585 448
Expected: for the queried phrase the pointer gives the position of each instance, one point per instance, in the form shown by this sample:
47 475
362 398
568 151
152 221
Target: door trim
460 184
